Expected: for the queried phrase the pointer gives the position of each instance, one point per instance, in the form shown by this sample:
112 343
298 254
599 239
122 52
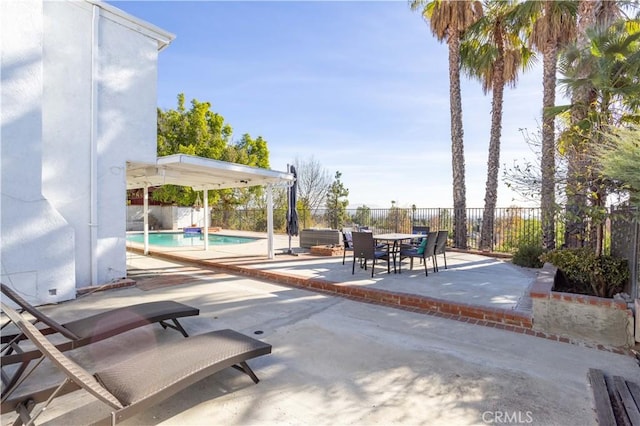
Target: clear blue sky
360 86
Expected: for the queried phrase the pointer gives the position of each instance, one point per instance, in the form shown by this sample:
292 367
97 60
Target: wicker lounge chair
144 379
85 330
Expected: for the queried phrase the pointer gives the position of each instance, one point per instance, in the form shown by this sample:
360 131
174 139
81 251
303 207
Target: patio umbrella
292 213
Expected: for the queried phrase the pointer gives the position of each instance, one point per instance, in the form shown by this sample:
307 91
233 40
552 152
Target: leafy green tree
493 52
337 202
202 132
196 131
443 221
256 210
619 159
448 20
394 217
517 229
362 216
400 219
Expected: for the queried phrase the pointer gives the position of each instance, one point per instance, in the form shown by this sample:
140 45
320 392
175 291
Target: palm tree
492 52
598 14
551 26
448 20
612 59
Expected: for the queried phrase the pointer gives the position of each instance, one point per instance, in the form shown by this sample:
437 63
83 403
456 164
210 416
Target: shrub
605 276
528 255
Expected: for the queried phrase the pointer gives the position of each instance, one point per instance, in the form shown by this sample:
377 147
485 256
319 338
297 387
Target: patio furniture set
422 244
128 387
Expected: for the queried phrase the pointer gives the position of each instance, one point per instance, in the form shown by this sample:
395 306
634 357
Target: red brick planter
327 250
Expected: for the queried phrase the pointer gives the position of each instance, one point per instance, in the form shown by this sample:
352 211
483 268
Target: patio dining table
394 242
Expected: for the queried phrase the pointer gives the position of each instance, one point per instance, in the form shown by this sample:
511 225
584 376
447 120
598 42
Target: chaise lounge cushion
137 378
119 320
144 378
83 331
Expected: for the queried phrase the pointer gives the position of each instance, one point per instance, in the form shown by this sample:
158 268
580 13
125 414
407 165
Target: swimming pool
181 239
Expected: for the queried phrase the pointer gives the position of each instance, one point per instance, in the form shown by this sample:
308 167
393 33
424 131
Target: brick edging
503 319
494 254
378 296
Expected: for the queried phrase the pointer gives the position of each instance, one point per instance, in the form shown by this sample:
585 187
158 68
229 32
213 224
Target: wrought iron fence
513 226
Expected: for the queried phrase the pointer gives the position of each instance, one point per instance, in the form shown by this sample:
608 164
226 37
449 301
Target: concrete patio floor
337 361
469 278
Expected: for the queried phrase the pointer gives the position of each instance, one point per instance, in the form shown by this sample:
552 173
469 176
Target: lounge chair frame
167 369
85 330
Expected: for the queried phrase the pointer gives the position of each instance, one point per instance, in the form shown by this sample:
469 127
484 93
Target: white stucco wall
125 111
169 217
36 243
92 80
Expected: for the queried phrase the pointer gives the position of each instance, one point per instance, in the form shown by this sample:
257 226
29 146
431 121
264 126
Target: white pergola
203 174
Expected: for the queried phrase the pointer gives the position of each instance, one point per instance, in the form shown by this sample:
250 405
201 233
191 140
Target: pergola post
270 251
205 228
145 210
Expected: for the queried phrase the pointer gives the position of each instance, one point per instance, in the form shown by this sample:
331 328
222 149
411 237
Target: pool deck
336 360
473 287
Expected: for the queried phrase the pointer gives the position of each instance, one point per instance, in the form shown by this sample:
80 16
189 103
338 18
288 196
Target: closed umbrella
292 213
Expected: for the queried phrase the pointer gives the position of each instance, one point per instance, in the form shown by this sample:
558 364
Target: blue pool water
180 239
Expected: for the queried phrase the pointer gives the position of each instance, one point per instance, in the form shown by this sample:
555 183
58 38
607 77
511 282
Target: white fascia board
201 173
164 38
251 171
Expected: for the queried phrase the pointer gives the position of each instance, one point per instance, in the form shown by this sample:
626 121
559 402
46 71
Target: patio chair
425 251
441 247
85 330
367 229
347 242
364 249
418 230
142 380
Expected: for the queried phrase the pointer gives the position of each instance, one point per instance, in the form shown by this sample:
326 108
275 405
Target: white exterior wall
47 149
170 217
37 243
123 117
